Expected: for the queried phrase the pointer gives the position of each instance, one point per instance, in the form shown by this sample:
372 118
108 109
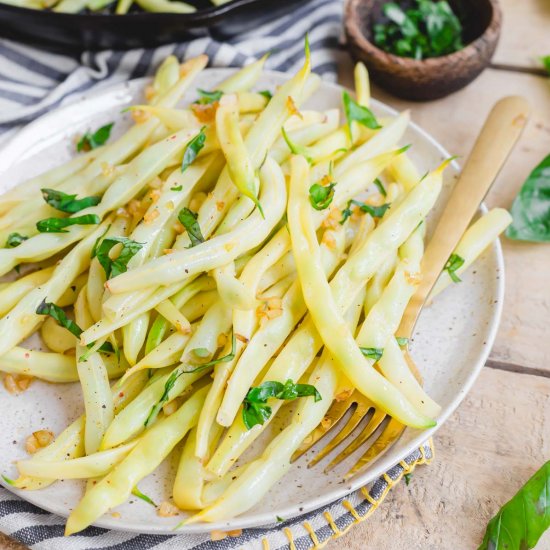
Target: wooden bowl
431 78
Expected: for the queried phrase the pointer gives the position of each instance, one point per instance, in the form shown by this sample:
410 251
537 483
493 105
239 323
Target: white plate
454 335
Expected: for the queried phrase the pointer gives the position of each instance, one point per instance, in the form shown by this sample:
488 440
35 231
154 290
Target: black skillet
72 33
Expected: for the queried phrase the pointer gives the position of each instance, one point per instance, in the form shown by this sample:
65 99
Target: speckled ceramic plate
453 337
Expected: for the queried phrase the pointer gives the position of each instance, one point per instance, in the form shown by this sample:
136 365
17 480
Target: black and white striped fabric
33 82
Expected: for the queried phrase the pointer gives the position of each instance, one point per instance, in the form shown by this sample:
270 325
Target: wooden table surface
501 433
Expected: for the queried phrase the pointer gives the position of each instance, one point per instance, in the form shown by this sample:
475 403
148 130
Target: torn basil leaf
91 141
120 265
358 113
522 520
193 149
267 94
188 219
15 239
380 187
372 353
454 263
224 359
320 196
59 315
177 188
206 97
374 211
531 208
168 386
257 411
57 225
68 203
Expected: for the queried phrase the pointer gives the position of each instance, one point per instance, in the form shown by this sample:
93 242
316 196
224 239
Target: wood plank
495 442
455 121
525 37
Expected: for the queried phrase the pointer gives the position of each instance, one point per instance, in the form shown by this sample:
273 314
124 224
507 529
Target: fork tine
368 430
390 434
334 414
362 409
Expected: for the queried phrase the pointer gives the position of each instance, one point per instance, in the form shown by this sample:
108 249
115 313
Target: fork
493 146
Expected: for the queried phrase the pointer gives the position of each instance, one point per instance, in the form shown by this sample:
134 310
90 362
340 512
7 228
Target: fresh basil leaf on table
531 208
522 521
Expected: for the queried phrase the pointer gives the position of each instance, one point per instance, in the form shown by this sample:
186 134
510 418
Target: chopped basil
57 225
115 267
546 63
206 97
381 188
454 263
531 208
137 493
372 353
255 407
320 196
193 149
91 141
524 518
296 149
358 113
188 219
224 359
408 478
164 398
374 211
68 203
177 188
425 29
15 239
267 94
402 341
279 518
57 313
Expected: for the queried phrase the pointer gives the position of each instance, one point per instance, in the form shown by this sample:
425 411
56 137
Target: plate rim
381 466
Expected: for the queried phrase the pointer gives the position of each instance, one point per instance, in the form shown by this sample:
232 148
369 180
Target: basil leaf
255 407
58 314
402 341
15 239
137 493
206 97
111 267
68 203
321 196
358 113
57 225
168 386
91 141
521 521
408 478
374 211
225 359
193 149
546 63
453 263
188 219
380 187
372 353
531 208
177 188
296 149
267 94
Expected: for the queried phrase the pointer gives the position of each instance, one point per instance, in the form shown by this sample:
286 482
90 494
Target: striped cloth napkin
32 82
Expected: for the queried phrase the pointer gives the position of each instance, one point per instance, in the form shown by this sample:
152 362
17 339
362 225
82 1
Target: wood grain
486 451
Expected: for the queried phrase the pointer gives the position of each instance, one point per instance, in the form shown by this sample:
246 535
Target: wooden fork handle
494 143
